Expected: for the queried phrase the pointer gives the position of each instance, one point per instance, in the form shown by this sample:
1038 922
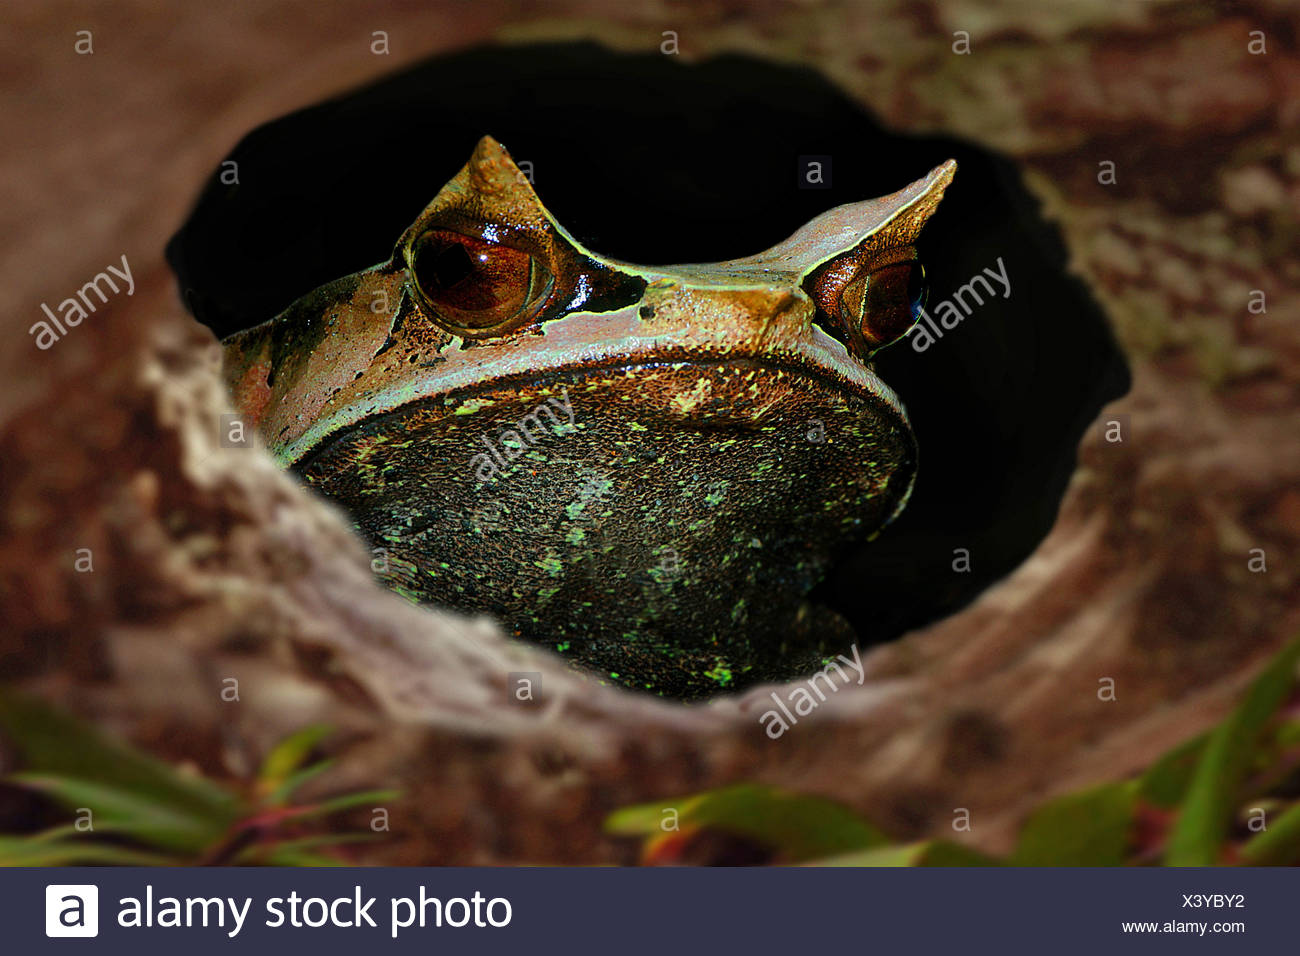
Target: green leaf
1087 828
146 800
1166 781
1279 845
57 745
269 854
72 831
283 794
797 827
292 857
288 755
1207 811
928 853
1288 734
126 811
349 801
20 851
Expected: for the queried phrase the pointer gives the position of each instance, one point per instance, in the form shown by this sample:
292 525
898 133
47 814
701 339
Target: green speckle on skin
663 576
720 674
409 595
586 517
472 405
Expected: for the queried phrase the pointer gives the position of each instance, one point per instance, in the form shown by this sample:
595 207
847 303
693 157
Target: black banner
774 910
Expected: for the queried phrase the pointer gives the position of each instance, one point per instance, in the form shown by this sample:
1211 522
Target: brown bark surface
209 563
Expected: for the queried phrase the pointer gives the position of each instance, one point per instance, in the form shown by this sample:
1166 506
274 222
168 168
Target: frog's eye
869 308
476 286
882 305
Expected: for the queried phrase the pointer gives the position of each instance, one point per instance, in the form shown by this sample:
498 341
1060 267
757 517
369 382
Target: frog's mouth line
816 355
886 405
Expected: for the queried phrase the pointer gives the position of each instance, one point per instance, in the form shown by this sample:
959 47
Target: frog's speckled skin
647 471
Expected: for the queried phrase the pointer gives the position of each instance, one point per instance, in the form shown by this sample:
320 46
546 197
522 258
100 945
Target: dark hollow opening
651 160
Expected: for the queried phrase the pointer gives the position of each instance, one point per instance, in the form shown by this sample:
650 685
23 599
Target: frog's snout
744 318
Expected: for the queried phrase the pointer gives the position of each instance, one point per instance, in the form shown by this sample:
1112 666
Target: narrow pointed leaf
288 755
1279 845
796 826
349 801
1165 782
49 742
149 819
1207 811
928 853
283 794
18 851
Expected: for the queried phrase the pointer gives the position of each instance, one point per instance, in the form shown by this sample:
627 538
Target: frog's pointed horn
917 202
492 172
893 220
490 188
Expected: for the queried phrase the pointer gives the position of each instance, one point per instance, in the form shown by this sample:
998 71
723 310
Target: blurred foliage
1229 796
142 811
797 827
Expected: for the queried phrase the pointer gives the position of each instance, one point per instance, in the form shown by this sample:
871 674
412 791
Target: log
208 563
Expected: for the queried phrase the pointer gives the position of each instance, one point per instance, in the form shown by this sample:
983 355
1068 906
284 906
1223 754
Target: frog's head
726 412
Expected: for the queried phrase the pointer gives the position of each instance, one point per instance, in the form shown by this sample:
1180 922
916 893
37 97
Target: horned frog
645 468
